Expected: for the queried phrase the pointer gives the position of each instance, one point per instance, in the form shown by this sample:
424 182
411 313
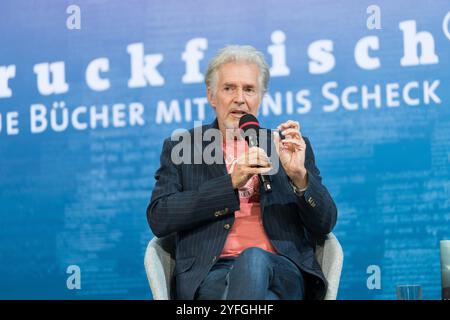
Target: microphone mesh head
247 122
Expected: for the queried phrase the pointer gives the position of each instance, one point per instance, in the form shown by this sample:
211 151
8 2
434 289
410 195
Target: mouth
238 113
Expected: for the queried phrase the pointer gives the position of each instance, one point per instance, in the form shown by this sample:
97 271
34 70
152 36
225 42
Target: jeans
255 274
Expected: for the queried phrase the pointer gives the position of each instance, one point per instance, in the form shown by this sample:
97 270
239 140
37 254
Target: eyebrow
233 84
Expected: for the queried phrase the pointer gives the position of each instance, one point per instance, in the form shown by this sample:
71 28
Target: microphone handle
263 179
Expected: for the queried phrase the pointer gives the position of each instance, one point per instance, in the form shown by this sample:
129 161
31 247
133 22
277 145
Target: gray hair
236 53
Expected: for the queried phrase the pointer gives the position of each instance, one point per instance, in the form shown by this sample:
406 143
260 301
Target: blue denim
255 274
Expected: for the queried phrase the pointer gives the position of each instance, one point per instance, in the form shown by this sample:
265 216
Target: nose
239 98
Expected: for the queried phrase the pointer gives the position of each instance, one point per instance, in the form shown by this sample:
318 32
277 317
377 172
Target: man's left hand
291 151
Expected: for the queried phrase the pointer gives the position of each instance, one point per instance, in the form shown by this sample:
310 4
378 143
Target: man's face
237 93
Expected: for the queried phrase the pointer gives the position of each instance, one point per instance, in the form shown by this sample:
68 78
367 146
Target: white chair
160 254
331 259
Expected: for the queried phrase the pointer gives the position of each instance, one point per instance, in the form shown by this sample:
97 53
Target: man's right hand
253 161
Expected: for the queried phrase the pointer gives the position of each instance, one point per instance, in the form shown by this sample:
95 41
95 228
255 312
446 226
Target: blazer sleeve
171 209
317 208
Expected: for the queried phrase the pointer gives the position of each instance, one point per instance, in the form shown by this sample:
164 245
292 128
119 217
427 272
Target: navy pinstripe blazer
197 202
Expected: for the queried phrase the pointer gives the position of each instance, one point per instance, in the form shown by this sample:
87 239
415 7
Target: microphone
250 127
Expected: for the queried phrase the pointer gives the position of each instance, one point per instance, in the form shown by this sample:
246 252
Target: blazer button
227 226
312 202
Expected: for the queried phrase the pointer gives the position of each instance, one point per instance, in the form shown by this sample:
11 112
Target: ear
211 97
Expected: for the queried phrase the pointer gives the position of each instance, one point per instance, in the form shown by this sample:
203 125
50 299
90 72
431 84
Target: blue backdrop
88 92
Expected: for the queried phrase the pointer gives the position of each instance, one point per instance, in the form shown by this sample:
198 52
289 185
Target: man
234 240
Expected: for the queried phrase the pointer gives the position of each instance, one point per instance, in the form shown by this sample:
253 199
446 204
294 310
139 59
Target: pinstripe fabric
197 202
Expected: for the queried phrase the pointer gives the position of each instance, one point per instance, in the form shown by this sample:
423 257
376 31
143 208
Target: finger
297 143
243 157
252 170
259 153
253 158
293 124
249 171
259 170
258 162
293 133
276 140
289 124
256 150
282 126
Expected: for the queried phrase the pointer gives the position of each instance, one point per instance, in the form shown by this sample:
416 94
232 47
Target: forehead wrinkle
234 75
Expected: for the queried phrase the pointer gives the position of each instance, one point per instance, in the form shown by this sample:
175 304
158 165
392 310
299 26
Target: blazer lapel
214 170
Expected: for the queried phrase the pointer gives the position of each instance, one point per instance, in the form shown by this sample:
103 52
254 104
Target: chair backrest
159 263
331 258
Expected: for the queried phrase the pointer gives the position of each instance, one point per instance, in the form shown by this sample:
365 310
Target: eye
250 90
230 89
